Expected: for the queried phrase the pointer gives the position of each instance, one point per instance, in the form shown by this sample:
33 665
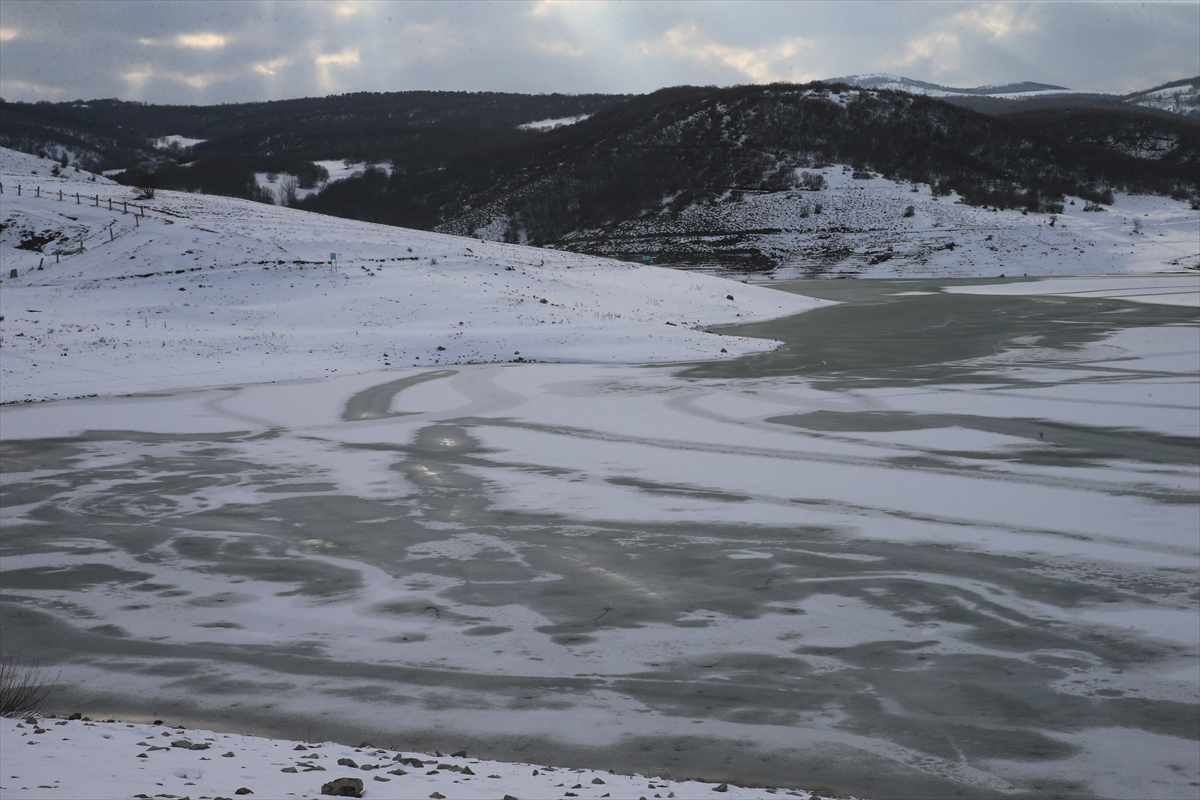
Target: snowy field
17 167
231 291
942 542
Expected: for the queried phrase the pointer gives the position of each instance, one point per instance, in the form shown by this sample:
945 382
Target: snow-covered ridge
1183 100
883 80
96 760
206 290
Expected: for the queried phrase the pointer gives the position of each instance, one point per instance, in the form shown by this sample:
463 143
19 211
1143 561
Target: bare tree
288 191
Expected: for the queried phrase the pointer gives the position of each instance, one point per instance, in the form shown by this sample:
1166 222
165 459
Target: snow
165 142
338 169
264 180
862 231
1177 99
17 167
237 290
425 478
101 760
571 459
551 124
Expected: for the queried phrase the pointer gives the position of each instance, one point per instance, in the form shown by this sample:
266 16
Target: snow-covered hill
1178 97
863 226
32 169
206 290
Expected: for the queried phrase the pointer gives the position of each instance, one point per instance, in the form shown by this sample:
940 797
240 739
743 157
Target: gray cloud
210 52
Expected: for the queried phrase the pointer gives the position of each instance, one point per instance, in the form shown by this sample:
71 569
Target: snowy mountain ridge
884 80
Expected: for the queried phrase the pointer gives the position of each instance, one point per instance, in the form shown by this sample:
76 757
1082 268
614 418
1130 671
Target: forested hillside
421 128
663 152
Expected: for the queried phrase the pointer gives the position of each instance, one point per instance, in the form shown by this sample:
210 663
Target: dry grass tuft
24 688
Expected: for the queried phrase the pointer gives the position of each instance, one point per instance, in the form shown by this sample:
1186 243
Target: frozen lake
937 545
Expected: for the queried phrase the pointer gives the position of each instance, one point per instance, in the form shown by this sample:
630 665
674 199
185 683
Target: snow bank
95 760
203 290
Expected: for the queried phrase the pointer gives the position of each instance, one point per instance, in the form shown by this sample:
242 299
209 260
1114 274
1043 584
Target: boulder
343 787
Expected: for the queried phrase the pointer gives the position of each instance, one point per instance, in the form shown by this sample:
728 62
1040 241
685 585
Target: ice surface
1172 290
981 580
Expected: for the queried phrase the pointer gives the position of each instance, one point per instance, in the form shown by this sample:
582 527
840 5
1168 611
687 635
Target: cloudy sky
213 52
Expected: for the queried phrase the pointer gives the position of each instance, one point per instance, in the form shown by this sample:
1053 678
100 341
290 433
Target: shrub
23 688
813 181
910 211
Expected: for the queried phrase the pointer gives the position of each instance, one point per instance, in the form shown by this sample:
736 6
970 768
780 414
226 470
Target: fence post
77 198
56 258
125 207
135 222
110 204
18 190
110 234
37 191
60 195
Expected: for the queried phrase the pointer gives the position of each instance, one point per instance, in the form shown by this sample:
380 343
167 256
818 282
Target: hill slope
237 291
699 177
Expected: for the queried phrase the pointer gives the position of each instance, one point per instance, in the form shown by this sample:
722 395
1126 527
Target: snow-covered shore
207 291
46 757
